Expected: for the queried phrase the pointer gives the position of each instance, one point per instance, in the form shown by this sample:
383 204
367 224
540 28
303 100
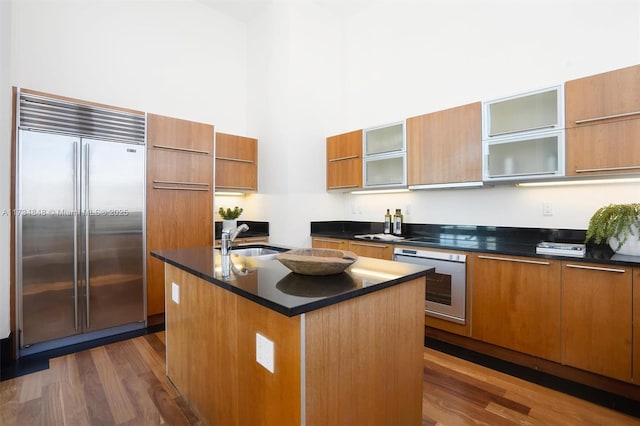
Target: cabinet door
366 249
603 148
179 169
344 161
445 146
515 303
596 319
179 135
614 95
329 243
236 162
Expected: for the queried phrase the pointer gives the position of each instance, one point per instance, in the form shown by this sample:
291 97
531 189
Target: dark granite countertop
487 239
272 285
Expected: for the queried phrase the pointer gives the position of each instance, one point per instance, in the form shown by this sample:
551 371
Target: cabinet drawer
603 149
182 170
329 243
179 135
375 250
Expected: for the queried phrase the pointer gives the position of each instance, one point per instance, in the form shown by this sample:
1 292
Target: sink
259 251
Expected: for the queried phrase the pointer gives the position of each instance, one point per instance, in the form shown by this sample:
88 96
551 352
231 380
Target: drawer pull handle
607 169
369 245
324 240
549 126
174 182
595 268
506 259
607 117
343 186
238 160
175 148
178 188
234 187
350 157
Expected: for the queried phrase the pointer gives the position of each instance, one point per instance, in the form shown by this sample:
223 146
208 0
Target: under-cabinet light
230 194
380 191
578 182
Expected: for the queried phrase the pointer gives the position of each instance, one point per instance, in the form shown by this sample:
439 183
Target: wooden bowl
314 261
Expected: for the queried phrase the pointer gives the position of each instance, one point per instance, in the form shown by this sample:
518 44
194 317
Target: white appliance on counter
445 295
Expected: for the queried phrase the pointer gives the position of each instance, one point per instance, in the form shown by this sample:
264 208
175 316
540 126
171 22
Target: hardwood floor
124 383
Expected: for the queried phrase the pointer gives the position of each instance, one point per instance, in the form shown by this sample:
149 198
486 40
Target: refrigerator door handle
87 285
75 236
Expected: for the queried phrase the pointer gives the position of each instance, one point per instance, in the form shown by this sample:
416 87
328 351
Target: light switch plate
264 352
175 292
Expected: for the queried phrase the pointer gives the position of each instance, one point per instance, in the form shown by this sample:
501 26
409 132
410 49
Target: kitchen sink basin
259 251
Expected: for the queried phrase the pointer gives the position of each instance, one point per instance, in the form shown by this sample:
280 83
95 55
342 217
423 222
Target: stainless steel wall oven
445 295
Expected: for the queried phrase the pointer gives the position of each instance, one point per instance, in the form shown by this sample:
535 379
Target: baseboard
5 352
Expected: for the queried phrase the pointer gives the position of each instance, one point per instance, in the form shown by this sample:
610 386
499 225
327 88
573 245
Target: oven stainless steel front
445 294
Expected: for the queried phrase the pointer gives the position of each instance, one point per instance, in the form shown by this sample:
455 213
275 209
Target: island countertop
272 285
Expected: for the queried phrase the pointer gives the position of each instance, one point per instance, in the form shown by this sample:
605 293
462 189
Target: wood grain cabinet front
445 147
515 303
602 114
344 161
236 163
329 243
368 249
636 325
179 194
597 318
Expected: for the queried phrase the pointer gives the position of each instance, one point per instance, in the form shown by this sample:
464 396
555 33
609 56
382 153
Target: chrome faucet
228 235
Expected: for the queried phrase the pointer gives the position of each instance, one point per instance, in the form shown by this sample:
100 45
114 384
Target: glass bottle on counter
397 222
387 222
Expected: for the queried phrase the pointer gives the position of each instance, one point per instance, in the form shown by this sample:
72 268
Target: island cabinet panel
179 195
602 114
515 303
236 163
344 161
596 318
446 146
636 325
364 368
357 361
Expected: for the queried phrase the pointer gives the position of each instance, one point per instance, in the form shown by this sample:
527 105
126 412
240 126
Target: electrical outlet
547 209
175 292
264 352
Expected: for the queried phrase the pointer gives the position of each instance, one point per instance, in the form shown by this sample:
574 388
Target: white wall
5 164
177 58
404 58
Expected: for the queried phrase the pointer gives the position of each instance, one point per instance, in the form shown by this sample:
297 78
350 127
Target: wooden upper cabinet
180 135
515 303
236 163
602 123
597 318
344 161
445 147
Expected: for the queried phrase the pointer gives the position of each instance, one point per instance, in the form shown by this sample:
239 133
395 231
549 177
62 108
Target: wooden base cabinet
515 303
179 194
636 325
361 248
597 318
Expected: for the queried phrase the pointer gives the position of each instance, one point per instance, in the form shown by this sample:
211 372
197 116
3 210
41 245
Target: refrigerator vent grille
42 113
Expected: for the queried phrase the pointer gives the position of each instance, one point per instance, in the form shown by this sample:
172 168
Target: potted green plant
618 225
229 216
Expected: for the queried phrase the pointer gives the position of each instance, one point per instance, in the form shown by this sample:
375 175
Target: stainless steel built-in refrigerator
79 231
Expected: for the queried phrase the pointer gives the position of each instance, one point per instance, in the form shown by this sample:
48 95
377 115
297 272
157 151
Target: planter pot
631 247
230 224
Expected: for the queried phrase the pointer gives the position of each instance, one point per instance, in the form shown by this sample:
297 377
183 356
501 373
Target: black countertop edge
302 307
485 239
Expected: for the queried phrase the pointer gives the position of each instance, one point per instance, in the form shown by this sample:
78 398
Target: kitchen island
256 344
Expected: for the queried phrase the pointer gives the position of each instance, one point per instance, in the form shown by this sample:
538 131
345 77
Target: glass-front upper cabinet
523 136
384 164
